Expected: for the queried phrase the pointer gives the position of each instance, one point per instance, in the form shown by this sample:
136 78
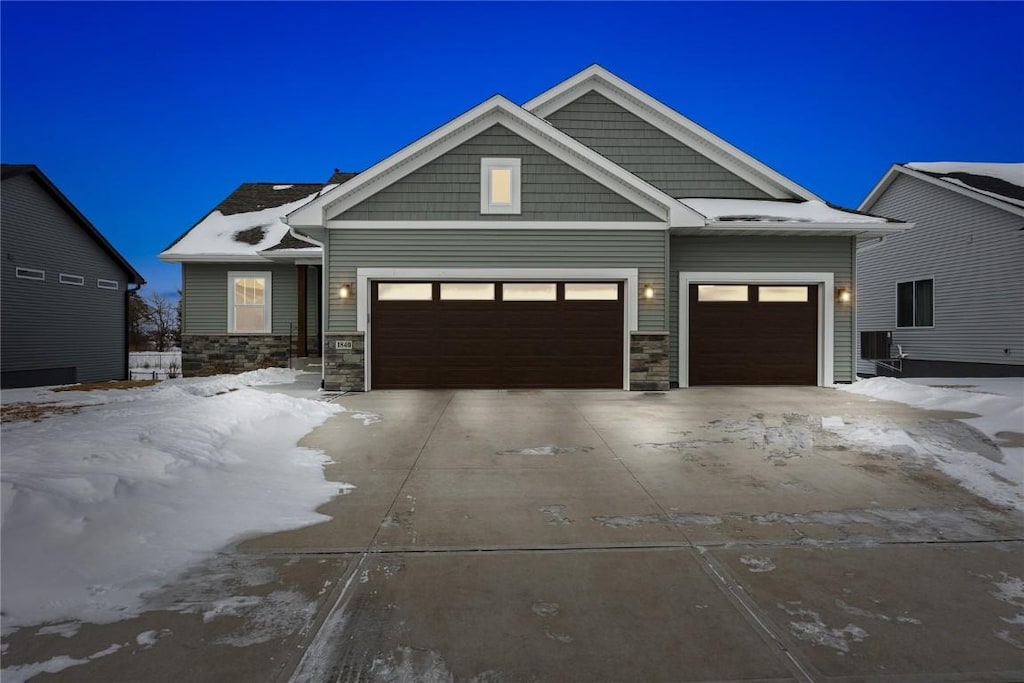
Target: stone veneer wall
211 354
345 369
649 361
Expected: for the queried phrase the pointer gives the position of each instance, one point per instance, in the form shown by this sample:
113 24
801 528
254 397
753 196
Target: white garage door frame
826 311
629 276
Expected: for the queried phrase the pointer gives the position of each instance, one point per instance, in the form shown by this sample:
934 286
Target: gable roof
996 184
597 78
249 221
14 170
495 110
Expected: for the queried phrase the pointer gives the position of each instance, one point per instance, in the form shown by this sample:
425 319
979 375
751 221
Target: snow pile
102 506
768 211
999 404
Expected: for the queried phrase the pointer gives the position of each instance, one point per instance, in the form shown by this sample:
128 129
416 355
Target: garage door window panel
529 291
405 291
467 291
782 294
591 291
723 293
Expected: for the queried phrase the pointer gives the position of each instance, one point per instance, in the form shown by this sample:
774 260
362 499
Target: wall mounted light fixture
648 291
345 291
844 295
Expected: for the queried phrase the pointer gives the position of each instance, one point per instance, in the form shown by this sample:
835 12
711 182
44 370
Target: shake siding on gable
448 188
46 324
499 248
205 288
770 254
649 153
975 254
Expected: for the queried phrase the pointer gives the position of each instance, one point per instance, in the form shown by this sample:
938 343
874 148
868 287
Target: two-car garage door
496 335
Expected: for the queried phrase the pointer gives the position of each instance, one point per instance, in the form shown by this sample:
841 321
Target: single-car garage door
753 334
492 335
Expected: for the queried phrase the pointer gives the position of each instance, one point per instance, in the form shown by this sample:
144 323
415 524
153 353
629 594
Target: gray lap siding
47 324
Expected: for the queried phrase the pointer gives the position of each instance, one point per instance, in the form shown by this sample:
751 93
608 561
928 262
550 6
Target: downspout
127 323
323 296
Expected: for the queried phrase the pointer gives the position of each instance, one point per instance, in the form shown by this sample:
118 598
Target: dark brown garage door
492 335
753 334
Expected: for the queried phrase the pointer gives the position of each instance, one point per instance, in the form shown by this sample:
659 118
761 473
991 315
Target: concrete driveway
718 534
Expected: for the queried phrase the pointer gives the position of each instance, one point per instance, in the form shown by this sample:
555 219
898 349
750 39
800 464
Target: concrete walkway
696 535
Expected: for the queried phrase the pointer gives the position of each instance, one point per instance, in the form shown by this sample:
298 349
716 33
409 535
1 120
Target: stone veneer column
648 361
344 368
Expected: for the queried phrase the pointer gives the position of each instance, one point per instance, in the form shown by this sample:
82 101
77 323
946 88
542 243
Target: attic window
251 235
500 182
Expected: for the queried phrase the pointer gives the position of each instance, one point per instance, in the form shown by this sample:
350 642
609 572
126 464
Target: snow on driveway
999 404
101 506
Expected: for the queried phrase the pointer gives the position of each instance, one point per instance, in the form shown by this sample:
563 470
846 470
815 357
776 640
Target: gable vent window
66 279
915 304
500 184
107 284
30 274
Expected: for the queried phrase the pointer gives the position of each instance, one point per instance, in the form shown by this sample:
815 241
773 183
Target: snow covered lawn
121 497
999 404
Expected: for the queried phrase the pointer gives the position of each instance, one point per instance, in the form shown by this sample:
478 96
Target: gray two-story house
591 237
64 296
948 295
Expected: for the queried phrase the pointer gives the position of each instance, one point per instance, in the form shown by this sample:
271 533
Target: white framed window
66 279
915 303
249 302
500 184
107 284
30 274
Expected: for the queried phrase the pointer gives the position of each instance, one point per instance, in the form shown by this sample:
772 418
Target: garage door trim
826 311
630 276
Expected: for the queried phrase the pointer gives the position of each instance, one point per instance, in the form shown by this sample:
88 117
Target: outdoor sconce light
648 291
844 295
345 291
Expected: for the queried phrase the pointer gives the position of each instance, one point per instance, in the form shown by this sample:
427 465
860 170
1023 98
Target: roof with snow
249 221
777 211
999 181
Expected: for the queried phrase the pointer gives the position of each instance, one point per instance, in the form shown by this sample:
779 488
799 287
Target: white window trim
629 276
913 312
487 164
826 312
30 274
267 299
107 284
68 279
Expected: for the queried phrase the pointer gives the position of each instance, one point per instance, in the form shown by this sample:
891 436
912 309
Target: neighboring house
592 237
951 290
64 296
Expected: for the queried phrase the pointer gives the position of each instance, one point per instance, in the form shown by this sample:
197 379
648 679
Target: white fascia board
211 258
826 312
670 122
293 254
499 225
495 110
884 183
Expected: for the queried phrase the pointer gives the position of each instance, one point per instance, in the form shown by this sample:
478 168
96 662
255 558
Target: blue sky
147 114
